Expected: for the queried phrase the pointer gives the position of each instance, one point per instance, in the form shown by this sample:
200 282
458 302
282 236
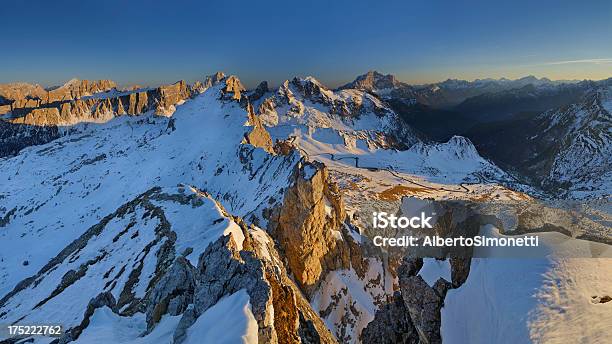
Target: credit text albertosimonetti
382 220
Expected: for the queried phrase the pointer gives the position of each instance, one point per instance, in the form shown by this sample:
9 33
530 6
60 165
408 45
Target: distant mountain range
445 94
567 148
480 110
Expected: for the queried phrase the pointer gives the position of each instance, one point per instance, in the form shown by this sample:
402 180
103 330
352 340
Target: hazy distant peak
67 84
213 79
373 80
73 81
85 86
309 80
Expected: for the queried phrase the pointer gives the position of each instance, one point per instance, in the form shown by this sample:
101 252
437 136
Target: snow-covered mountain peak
312 80
71 82
456 148
306 103
312 88
462 143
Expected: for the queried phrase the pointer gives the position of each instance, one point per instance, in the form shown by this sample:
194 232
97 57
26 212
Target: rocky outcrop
138 103
20 94
259 91
258 136
72 112
233 88
419 303
4 109
315 242
312 210
283 147
42 117
460 270
267 111
19 90
168 96
316 92
120 109
391 325
199 87
173 293
232 264
75 89
101 109
414 314
424 304
26 103
214 79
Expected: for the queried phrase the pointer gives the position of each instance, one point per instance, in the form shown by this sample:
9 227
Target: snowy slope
56 191
309 105
347 302
541 300
123 254
583 158
228 321
553 302
349 124
223 323
108 327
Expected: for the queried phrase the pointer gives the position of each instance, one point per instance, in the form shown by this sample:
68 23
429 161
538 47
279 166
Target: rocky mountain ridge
354 114
88 102
500 105
23 95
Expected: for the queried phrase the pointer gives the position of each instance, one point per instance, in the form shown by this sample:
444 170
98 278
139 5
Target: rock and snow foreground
232 218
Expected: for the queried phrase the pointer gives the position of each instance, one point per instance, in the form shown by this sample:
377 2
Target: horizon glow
156 42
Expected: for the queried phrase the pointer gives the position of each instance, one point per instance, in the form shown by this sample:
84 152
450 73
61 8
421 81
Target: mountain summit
373 80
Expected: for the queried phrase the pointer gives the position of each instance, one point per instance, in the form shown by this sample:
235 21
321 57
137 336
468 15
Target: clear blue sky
150 42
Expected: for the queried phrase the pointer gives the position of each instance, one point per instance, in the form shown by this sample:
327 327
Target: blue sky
151 42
